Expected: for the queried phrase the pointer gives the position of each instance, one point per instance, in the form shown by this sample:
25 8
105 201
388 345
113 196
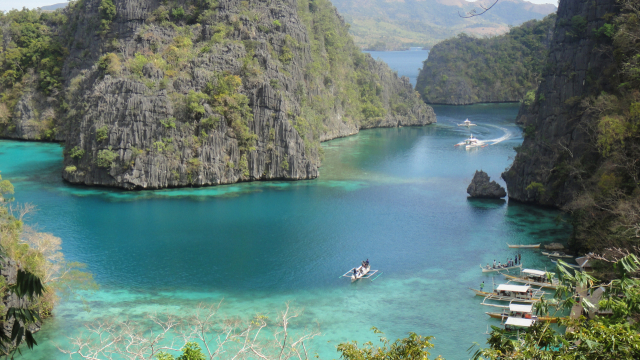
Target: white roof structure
519 322
513 288
534 272
520 308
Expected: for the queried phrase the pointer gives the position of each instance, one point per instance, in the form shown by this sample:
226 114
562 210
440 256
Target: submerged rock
554 246
481 187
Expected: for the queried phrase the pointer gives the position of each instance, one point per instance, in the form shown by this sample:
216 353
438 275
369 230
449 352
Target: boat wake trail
507 135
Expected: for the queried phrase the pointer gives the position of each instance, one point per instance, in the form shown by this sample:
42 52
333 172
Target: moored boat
533 246
507 292
507 268
515 325
467 123
535 278
524 311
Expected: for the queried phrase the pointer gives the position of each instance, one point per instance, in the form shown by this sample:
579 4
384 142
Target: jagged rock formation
482 187
202 92
467 70
556 135
554 246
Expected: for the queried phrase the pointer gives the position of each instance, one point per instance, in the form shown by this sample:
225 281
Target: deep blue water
407 63
395 196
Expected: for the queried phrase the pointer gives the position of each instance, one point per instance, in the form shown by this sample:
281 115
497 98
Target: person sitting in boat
494 263
367 262
355 272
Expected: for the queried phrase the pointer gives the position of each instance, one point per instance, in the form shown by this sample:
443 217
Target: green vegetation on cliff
606 212
583 139
31 59
466 70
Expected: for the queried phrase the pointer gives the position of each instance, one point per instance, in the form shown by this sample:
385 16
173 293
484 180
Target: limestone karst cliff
553 135
582 139
161 94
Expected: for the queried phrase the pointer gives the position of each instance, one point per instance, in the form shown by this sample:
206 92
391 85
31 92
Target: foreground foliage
42 275
413 347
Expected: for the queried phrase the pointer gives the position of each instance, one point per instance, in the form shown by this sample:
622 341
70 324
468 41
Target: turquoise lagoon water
395 196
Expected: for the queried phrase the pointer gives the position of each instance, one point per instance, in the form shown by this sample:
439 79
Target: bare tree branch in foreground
474 12
220 337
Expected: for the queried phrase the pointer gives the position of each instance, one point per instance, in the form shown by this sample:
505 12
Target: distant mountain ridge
54 6
400 24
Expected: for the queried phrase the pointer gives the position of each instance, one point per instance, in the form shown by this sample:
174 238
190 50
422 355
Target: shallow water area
395 196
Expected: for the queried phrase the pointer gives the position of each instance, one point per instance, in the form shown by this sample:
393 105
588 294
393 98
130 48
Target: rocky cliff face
202 92
467 70
9 270
557 134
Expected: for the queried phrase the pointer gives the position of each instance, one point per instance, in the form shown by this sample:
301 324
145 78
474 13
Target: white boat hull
360 272
534 246
484 269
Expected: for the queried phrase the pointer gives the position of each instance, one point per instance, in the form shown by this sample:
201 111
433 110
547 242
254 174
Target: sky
6 5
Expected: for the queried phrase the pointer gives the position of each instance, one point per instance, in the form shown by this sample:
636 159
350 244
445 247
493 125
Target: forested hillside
151 94
466 70
397 25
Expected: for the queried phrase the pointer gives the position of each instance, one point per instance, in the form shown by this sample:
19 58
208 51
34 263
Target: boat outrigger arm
368 275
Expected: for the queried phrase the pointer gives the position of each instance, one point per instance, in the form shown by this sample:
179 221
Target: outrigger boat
507 268
514 325
467 123
508 292
361 272
556 254
523 311
535 278
534 246
471 142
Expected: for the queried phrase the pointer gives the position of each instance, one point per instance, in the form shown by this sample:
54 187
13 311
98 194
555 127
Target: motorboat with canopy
514 324
535 278
467 123
509 292
471 142
522 311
